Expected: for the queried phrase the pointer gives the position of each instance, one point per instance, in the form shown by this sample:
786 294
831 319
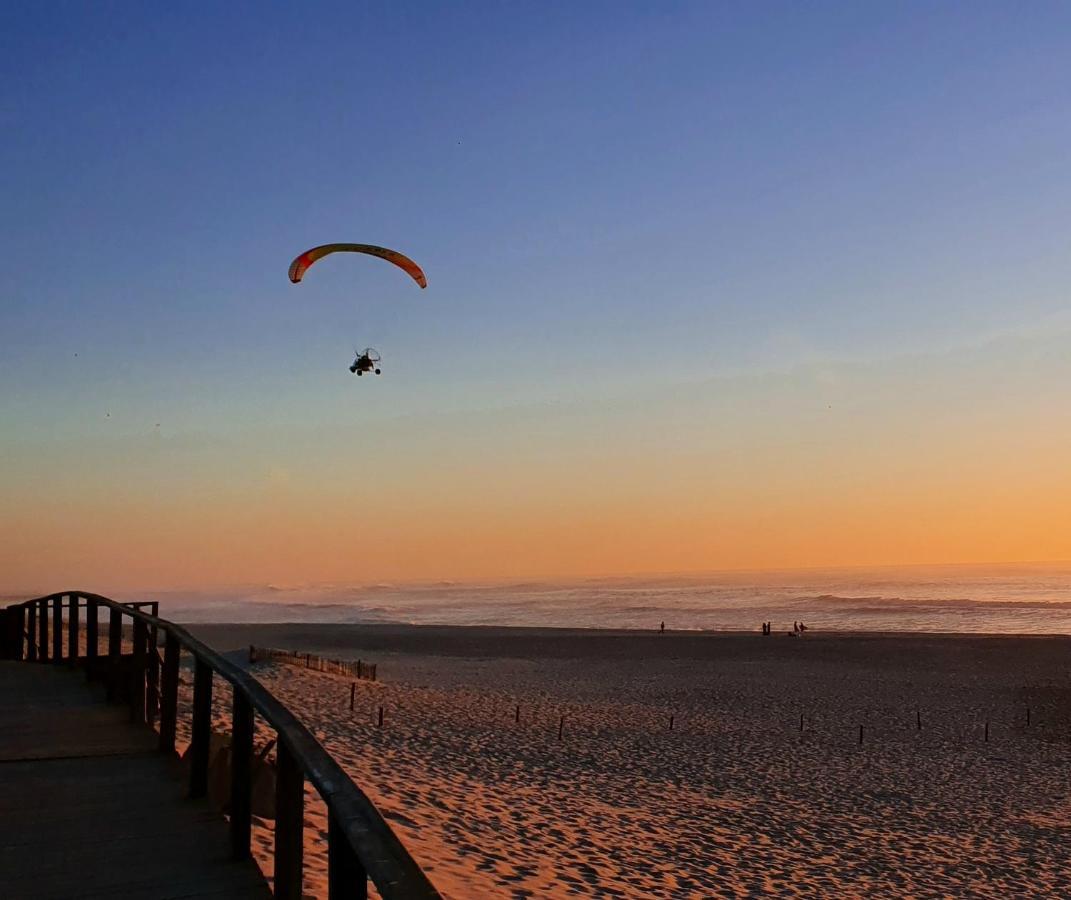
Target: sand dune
734 799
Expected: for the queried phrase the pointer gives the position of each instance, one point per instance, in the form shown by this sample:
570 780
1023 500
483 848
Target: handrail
361 845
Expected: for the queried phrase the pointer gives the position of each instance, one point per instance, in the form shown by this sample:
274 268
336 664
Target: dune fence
352 668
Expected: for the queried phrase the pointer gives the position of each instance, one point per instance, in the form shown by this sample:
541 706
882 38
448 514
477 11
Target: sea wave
1033 599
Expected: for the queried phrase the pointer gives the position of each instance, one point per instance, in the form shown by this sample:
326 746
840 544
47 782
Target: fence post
42 631
24 638
353 692
15 619
201 738
152 677
91 629
289 823
115 647
169 694
241 774
31 636
72 629
137 672
346 877
57 628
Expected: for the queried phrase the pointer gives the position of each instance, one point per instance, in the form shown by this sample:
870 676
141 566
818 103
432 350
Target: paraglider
367 359
301 264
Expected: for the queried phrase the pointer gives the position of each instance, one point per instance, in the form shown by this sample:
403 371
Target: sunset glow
690 313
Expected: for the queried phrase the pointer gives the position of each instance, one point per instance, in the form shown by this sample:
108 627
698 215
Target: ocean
1012 599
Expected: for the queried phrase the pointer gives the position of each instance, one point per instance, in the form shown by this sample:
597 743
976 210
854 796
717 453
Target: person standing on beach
662 628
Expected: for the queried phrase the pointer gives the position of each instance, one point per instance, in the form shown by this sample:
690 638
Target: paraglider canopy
302 263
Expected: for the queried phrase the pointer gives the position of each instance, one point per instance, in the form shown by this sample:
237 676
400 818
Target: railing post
72 629
115 648
289 823
42 629
241 774
31 633
346 877
137 672
57 628
201 738
7 634
169 694
16 629
91 629
152 678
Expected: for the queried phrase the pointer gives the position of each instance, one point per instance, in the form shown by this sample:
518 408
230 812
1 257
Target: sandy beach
732 799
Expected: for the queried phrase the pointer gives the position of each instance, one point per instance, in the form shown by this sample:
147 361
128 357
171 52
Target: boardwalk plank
88 808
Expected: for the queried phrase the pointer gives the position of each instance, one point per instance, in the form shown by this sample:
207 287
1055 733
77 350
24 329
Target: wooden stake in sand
918 720
353 691
860 735
1028 717
671 723
801 723
380 723
987 732
561 725
517 715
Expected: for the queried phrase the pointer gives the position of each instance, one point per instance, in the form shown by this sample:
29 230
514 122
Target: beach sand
733 799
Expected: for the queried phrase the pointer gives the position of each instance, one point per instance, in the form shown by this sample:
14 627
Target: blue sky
606 197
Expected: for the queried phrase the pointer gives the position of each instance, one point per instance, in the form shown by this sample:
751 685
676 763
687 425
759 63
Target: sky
711 286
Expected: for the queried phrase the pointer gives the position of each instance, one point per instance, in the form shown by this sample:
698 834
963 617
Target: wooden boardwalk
90 808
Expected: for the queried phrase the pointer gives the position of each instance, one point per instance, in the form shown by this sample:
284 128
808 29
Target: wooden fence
361 845
349 667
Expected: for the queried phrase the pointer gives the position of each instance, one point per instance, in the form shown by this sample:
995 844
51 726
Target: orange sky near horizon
957 457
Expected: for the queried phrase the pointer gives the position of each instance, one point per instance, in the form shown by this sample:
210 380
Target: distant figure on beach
802 627
795 627
662 628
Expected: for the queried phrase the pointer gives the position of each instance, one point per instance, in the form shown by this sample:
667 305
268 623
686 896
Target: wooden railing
360 844
353 668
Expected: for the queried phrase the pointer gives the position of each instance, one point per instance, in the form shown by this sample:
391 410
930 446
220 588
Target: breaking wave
1028 600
